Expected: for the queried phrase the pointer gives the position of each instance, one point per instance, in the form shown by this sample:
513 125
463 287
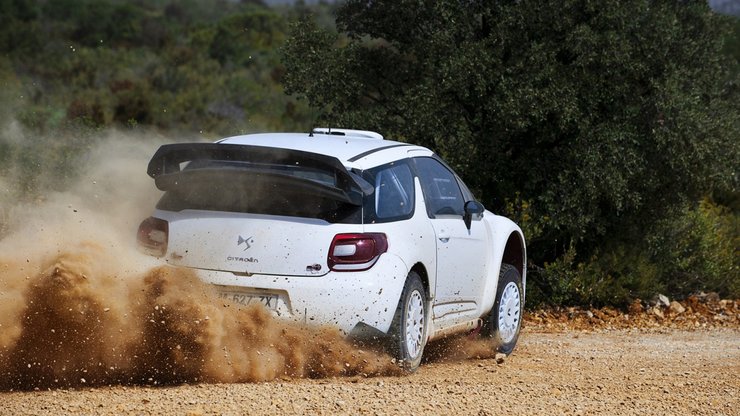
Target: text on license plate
267 300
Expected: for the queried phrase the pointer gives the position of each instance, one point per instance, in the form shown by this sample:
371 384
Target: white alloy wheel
509 312
503 322
408 332
414 324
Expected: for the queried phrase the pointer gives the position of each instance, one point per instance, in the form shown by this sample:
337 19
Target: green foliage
520 211
90 23
20 29
195 66
602 116
572 103
192 68
614 277
240 38
694 249
698 250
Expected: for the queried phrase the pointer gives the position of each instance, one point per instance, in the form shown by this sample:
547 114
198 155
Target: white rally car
379 238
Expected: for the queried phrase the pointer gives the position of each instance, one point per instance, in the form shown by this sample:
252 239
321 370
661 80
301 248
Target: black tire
510 287
408 332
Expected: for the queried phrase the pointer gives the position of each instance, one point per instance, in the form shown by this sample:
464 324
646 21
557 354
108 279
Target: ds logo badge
247 241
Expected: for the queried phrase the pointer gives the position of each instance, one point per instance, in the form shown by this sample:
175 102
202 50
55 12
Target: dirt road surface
618 372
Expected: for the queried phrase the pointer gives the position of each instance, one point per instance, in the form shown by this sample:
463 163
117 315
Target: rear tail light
152 236
356 252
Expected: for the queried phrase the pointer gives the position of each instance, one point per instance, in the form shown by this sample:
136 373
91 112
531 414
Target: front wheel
408 331
504 321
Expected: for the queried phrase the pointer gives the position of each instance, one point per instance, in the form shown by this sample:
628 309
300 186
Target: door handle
443 237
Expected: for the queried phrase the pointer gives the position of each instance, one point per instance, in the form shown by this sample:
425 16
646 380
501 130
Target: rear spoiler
168 159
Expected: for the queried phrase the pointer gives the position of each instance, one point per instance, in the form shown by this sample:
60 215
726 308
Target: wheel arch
424 276
508 246
515 254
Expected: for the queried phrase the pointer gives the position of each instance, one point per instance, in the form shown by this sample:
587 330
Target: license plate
270 301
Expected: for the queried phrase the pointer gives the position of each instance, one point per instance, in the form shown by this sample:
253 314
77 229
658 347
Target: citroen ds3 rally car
378 238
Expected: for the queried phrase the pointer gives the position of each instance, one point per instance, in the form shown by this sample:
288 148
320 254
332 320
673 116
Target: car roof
355 149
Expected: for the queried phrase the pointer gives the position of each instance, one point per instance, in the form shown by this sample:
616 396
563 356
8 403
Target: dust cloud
80 306
84 322
455 348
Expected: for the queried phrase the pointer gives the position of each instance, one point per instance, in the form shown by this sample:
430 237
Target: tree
589 120
590 110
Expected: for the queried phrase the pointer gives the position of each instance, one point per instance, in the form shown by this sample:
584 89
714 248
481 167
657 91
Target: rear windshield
244 187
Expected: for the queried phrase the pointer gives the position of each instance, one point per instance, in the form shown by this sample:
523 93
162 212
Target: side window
467 195
441 191
393 198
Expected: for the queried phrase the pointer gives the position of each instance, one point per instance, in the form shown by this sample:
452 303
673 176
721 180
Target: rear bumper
350 301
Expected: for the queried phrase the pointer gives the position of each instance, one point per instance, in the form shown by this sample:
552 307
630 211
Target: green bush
692 250
697 250
615 277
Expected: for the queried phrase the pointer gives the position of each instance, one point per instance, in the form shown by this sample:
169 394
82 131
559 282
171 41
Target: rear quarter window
393 197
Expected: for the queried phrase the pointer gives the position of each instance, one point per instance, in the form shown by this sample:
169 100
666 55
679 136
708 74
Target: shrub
615 277
694 249
697 250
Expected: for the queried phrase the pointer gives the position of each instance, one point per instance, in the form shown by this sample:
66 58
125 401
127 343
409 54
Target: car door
461 264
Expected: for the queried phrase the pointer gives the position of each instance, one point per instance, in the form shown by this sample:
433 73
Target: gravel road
618 372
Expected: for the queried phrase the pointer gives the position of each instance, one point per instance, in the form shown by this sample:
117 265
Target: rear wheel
504 321
408 331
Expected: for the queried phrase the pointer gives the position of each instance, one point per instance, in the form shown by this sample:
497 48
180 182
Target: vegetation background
608 130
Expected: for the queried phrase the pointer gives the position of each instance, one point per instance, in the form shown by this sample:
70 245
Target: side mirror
473 210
